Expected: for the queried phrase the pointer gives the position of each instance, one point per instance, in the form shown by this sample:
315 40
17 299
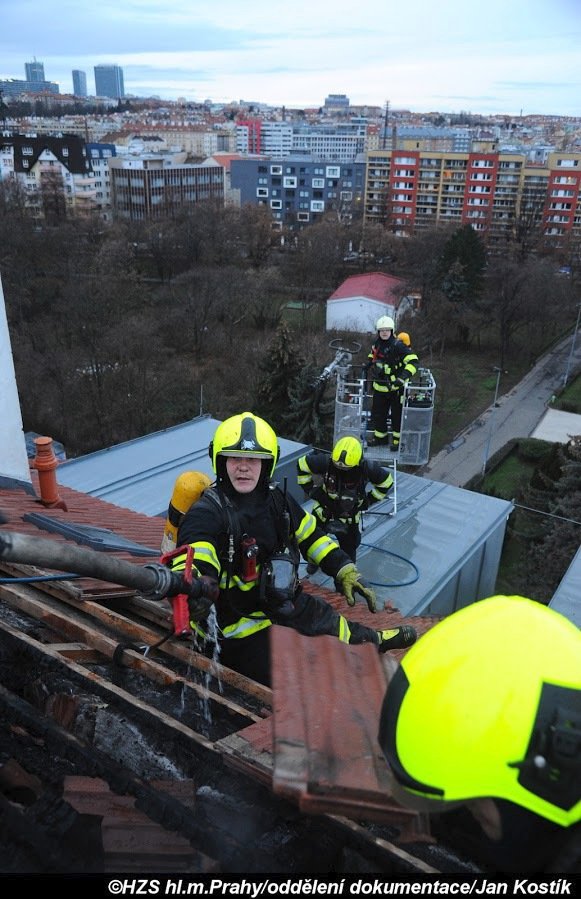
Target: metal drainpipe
45 462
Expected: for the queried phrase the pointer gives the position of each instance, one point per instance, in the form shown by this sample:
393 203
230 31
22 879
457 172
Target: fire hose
191 597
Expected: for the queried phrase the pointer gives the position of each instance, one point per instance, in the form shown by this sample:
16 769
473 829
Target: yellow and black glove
348 581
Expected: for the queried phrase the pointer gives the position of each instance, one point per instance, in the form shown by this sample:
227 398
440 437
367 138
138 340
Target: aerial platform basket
353 401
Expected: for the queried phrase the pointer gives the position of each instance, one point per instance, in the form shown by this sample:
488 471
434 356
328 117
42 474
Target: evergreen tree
555 489
462 265
310 416
277 370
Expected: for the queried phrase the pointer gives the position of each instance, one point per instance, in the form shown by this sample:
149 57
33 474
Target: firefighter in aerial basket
250 535
338 484
390 364
481 726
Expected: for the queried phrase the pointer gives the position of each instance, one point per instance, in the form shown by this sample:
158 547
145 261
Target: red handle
179 603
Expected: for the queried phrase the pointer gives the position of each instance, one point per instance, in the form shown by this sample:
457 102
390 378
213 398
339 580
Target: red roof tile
373 285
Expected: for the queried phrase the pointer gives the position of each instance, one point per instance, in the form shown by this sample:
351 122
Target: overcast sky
498 56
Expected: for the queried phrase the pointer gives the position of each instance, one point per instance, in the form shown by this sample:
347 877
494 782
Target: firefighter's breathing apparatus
191 597
279 577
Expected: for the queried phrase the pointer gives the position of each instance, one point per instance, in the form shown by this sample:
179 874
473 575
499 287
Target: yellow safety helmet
488 704
384 323
405 338
245 435
347 453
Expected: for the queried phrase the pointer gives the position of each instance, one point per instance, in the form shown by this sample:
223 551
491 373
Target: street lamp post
569 360
498 371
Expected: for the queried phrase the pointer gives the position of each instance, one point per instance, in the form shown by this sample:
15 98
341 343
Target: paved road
517 414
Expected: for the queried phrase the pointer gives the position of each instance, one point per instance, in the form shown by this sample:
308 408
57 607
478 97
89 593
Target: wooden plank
176 728
178 649
77 629
78 651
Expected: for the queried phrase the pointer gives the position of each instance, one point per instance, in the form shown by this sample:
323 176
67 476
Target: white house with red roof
361 299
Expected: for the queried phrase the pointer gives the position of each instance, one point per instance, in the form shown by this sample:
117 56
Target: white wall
355 314
13 456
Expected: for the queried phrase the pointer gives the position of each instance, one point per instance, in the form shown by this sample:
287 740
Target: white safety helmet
385 323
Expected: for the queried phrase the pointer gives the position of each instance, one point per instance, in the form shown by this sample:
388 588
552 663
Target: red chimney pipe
46 464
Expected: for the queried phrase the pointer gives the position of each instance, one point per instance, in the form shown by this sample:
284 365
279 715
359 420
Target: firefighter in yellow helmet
249 535
391 364
482 720
340 494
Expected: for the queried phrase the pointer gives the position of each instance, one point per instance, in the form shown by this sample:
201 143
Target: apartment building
299 191
54 171
339 142
154 186
197 141
409 191
100 154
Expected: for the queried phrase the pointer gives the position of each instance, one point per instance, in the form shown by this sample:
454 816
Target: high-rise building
79 83
34 71
109 82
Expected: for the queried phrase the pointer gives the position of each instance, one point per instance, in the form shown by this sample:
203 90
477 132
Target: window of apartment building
318 182
303 216
404 160
262 191
567 163
346 194
317 206
317 195
303 193
27 151
318 171
263 170
333 171
290 170
263 180
25 163
276 181
289 182
331 194
482 163
276 170
276 204
65 151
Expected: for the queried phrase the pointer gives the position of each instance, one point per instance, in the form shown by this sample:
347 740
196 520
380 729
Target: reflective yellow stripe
304 465
244 627
344 630
203 552
304 479
235 581
198 630
306 527
380 387
321 548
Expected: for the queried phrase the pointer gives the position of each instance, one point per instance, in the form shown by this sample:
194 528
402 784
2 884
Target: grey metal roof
567 598
140 474
441 550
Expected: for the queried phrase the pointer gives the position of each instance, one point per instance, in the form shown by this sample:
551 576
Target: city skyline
515 58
